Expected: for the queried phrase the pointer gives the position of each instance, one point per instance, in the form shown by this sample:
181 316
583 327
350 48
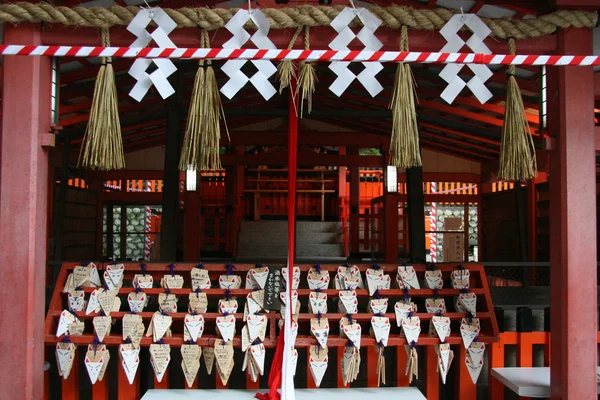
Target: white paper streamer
367 36
450 72
232 68
160 35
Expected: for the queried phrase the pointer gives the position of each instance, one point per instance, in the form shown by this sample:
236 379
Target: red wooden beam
320 39
277 138
460 142
434 105
137 106
304 159
474 103
460 134
452 150
26 81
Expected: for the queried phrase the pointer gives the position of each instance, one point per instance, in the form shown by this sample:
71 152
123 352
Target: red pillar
23 177
573 220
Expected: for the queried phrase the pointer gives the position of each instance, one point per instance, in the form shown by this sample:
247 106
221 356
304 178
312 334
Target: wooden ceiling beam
453 151
474 103
85 117
460 142
457 133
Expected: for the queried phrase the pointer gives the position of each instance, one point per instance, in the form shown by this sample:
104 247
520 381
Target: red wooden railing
465 388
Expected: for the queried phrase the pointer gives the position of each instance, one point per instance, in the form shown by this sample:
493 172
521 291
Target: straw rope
200 149
517 150
286 70
102 144
308 78
404 143
293 17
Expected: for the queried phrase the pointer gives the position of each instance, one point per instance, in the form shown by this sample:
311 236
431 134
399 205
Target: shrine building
299 198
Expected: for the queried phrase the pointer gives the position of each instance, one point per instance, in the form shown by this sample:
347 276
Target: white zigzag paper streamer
165 67
367 36
232 68
450 72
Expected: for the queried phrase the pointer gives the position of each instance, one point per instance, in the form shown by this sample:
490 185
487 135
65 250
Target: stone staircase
267 241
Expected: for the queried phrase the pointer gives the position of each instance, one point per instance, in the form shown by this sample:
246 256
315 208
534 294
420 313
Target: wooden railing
524 340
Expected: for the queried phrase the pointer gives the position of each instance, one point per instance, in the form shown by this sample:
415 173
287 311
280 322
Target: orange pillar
573 219
26 84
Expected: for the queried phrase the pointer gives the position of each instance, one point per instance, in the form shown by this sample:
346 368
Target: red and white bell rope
299 55
433 226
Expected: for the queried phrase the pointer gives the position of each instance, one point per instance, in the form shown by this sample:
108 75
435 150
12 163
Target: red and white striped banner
299 55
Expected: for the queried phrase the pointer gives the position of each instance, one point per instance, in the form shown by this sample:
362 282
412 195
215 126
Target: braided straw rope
293 17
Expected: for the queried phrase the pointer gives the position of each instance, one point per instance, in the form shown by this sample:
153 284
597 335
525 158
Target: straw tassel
102 144
286 70
517 151
201 144
404 143
307 79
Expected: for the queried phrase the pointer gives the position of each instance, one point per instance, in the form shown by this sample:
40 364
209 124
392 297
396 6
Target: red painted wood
164 383
372 357
465 388
401 359
310 382
573 221
354 204
23 214
432 376
496 360
70 386
250 384
338 363
219 383
390 204
100 389
191 244
128 391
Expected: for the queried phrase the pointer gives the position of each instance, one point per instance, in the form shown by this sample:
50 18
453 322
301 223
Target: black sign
273 289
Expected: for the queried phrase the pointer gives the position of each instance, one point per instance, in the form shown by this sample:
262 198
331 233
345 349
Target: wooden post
239 198
26 84
191 227
390 213
573 284
496 360
432 378
230 189
354 204
416 213
170 201
465 388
